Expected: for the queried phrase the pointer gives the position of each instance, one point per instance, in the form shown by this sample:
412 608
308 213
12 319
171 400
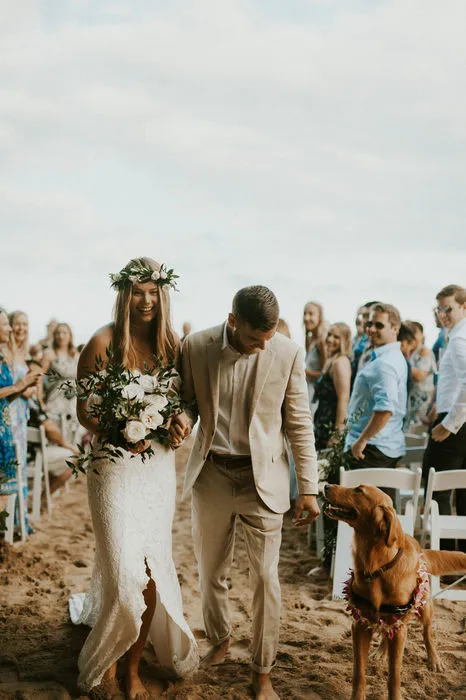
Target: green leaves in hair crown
137 271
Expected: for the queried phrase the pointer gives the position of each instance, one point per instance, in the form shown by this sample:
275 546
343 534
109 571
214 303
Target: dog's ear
386 522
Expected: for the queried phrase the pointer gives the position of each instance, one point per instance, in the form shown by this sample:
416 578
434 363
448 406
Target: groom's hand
306 504
179 429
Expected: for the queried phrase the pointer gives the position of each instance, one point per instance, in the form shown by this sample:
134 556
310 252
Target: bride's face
144 301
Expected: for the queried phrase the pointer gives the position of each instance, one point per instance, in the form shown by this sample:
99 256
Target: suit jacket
279 407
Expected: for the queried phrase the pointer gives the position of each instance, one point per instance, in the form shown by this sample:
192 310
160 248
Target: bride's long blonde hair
163 338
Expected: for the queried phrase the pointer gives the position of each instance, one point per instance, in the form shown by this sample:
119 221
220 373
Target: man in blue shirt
378 402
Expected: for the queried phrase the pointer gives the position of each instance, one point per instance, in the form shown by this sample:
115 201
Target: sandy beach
41 646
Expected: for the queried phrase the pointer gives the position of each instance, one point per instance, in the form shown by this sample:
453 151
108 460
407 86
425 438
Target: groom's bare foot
216 654
263 689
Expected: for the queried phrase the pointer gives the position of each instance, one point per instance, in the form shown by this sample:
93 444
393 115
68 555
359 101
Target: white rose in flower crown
163 275
151 417
148 383
116 277
134 431
155 275
133 392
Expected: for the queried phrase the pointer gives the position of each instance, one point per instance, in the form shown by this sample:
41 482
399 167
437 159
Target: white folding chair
383 478
10 520
19 481
443 526
38 470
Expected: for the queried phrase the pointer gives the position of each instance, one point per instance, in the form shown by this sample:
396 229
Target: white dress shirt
236 382
451 387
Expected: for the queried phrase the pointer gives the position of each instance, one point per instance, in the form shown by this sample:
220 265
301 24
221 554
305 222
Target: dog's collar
369 576
376 620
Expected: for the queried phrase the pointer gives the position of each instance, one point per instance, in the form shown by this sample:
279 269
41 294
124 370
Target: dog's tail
440 563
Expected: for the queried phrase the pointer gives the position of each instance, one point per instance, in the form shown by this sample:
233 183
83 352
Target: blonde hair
163 338
345 338
321 330
283 328
13 345
71 346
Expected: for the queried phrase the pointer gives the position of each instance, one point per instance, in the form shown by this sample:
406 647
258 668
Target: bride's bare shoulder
96 346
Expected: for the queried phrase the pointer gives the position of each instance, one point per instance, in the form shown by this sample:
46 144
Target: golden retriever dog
390 581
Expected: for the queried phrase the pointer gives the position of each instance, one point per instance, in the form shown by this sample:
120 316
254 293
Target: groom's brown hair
258 306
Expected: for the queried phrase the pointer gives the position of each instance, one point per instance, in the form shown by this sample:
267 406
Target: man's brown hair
258 306
455 291
393 313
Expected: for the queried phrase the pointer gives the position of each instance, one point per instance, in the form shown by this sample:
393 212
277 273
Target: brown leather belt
230 461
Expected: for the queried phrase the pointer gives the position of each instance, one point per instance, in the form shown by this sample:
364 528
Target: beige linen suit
257 494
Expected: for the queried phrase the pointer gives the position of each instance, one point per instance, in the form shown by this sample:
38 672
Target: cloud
321 147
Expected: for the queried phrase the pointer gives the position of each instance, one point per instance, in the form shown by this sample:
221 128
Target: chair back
385 478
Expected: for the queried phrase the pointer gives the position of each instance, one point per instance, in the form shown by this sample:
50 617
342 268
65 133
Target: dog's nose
326 487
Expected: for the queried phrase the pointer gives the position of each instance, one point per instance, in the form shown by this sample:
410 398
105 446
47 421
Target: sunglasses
376 324
443 309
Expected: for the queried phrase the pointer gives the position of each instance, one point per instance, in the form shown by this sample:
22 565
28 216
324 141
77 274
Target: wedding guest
423 368
446 448
283 328
19 407
47 342
62 358
36 352
361 349
332 388
316 351
186 330
11 430
378 403
441 340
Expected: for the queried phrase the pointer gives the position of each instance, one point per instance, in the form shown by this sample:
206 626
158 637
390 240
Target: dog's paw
434 664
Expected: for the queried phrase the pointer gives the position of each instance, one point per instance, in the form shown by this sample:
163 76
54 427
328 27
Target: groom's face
245 338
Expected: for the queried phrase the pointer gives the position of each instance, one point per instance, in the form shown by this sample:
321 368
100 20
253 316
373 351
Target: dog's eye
358 489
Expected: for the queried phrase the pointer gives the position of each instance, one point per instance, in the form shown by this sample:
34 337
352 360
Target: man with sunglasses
378 402
447 443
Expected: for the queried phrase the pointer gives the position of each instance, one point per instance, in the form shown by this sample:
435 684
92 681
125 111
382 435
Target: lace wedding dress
132 505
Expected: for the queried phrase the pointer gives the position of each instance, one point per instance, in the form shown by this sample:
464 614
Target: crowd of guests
370 386
30 379
375 387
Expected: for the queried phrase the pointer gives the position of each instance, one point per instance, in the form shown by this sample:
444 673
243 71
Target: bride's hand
139 447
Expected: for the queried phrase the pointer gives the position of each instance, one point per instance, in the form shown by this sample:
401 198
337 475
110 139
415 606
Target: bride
134 592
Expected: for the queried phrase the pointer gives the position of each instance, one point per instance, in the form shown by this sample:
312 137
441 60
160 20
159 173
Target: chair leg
37 487
19 481
10 521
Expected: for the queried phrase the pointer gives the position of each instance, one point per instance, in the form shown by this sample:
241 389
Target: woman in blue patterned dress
10 391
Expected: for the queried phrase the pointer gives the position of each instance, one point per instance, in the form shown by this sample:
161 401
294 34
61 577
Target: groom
247 384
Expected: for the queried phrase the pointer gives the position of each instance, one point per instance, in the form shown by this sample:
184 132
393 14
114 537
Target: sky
317 147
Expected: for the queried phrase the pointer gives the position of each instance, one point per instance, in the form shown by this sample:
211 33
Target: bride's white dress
132 504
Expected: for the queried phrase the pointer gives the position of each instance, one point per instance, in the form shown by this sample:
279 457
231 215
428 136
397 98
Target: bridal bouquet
129 406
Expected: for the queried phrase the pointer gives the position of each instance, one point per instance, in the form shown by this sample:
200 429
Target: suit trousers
442 456
221 496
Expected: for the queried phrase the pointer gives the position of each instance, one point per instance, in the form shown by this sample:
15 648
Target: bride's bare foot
109 689
135 690
216 654
263 689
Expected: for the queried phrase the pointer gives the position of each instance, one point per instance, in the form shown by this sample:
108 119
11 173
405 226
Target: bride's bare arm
96 347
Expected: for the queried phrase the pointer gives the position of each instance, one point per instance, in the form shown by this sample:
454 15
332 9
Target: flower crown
137 271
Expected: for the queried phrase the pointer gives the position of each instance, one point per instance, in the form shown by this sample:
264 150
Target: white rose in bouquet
133 392
151 417
94 400
148 383
134 431
158 401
